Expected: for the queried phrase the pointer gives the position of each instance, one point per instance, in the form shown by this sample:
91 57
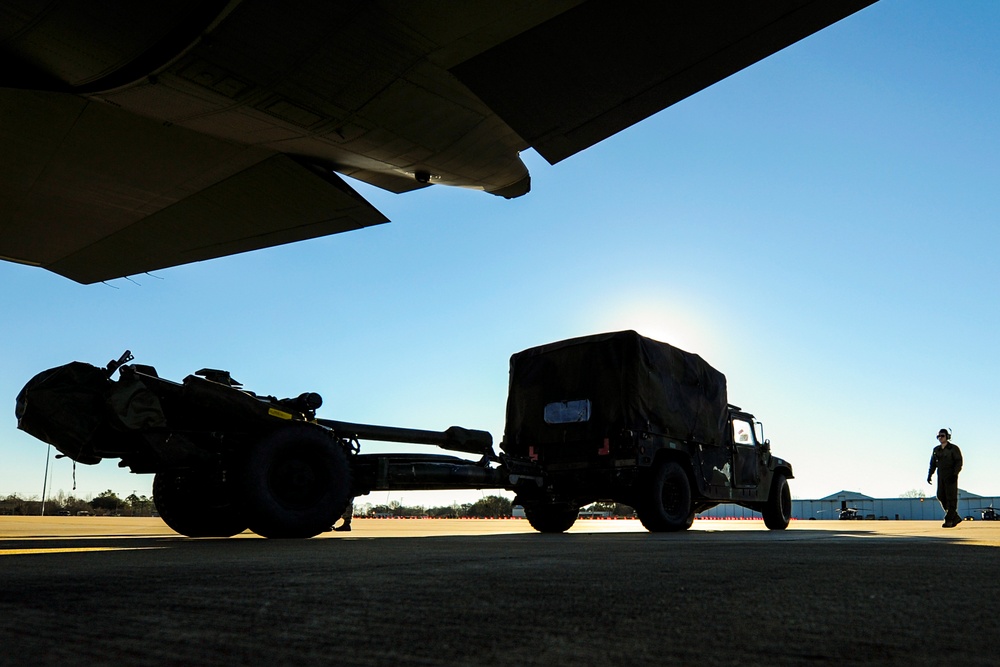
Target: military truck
624 418
613 417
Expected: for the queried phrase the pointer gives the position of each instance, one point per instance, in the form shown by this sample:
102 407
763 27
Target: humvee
623 418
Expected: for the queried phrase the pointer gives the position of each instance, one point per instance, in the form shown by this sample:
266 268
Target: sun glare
669 321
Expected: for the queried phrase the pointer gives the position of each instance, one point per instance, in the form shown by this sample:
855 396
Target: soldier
346 516
947 460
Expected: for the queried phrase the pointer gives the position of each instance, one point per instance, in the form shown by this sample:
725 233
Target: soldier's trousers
947 493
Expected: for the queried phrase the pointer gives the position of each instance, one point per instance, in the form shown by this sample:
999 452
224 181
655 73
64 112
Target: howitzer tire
665 499
777 510
296 482
199 503
551 518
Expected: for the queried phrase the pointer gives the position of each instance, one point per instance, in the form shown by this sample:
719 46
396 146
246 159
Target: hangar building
854 505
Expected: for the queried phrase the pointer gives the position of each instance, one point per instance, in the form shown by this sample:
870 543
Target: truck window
567 412
742 432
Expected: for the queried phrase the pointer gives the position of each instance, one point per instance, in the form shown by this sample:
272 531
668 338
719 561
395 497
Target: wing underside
604 65
93 193
135 137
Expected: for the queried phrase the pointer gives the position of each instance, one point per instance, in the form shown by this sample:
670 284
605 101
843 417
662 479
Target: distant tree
106 501
490 506
74 505
452 512
396 508
138 505
913 493
12 504
613 509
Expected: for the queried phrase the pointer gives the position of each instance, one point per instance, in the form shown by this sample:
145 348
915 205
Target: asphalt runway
121 591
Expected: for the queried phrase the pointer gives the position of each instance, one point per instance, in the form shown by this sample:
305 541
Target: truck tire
199 503
665 499
551 518
777 510
296 482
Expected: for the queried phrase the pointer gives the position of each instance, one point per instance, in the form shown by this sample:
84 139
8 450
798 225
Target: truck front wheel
777 510
551 518
665 499
296 483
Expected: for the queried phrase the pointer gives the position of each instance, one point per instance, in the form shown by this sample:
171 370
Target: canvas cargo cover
66 406
596 386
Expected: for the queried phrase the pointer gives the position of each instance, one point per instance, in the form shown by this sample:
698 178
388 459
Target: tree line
490 507
106 503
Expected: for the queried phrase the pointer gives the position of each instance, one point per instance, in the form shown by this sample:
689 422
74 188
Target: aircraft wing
97 193
601 67
137 136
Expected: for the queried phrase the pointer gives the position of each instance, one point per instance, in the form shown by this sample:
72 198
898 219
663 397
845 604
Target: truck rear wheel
665 499
296 482
199 503
777 510
551 518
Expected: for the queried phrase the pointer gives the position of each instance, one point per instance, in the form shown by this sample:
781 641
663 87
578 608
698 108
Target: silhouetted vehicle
622 418
226 459
616 417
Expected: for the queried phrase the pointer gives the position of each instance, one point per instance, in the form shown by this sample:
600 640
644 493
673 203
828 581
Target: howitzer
226 459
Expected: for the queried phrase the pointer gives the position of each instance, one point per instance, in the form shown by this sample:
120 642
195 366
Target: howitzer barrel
430 476
454 438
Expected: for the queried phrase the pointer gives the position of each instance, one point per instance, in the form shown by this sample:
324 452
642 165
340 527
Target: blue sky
821 227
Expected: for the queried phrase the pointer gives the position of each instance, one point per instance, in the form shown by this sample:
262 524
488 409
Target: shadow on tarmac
703 597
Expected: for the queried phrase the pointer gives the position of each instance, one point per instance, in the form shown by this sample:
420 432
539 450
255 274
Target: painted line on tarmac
66 550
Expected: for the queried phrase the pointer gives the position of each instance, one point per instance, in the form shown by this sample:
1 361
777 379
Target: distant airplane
141 135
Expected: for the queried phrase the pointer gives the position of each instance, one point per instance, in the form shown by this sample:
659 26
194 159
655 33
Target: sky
821 227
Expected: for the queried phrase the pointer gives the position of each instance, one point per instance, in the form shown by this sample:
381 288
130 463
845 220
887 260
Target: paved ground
129 592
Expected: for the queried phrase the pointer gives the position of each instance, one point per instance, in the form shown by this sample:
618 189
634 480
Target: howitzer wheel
551 518
199 503
296 482
777 511
664 500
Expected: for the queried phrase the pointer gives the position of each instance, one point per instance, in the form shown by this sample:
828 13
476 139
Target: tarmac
119 590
